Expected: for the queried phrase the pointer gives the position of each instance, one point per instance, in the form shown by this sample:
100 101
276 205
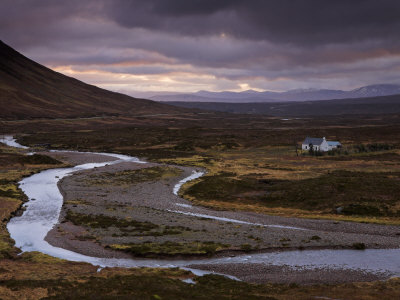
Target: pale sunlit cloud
131 83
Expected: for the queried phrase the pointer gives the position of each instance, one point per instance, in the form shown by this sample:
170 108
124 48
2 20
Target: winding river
45 202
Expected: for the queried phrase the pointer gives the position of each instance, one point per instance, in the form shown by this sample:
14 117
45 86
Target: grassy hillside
361 106
29 90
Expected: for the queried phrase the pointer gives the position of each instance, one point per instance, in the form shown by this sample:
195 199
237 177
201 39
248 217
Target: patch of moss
102 221
245 247
77 202
10 191
6 246
39 257
127 227
168 248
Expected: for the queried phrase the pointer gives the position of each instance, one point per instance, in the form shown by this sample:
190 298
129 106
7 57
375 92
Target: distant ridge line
252 96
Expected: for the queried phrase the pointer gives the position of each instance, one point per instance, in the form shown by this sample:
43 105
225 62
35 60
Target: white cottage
319 144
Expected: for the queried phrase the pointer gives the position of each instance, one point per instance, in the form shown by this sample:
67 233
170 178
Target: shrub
359 246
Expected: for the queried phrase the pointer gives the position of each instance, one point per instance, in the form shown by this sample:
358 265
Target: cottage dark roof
314 141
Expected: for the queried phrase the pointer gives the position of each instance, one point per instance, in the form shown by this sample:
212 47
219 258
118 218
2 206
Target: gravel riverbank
96 192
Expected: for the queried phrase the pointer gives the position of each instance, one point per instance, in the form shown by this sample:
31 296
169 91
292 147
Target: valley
243 166
146 200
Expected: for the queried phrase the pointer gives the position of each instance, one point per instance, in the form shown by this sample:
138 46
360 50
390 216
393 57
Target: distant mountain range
29 90
251 96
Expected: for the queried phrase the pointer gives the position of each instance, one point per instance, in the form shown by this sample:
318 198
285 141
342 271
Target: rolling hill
29 90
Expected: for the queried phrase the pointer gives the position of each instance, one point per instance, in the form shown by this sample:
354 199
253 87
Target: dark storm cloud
260 41
304 23
291 21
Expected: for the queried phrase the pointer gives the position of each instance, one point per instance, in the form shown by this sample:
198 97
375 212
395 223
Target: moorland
253 164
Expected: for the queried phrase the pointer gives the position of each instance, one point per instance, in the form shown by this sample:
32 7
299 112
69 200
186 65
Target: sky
142 47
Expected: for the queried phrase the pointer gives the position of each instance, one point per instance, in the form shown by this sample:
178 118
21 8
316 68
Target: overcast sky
134 46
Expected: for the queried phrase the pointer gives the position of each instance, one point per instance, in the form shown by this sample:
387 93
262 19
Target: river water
45 202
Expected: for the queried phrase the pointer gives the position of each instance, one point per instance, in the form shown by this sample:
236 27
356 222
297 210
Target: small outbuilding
334 145
319 144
